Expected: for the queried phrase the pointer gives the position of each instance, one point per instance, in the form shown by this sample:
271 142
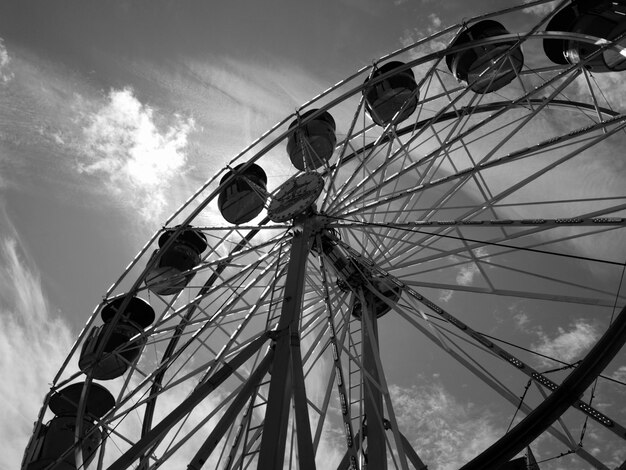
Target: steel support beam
373 398
272 452
306 454
411 454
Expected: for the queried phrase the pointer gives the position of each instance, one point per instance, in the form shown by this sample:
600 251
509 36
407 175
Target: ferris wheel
474 170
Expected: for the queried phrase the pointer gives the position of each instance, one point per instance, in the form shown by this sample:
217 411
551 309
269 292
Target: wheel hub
354 274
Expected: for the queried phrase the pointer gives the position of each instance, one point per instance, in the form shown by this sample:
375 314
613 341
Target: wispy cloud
331 449
5 73
468 272
432 25
33 344
541 10
465 274
369 7
521 320
444 432
123 143
620 374
606 87
34 341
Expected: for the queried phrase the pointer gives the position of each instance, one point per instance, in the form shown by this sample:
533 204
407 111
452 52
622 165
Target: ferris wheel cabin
312 144
602 19
182 255
396 93
489 67
53 439
244 197
120 349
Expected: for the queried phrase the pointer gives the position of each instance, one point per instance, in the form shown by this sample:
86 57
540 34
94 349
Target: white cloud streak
540 10
33 344
5 74
138 160
620 374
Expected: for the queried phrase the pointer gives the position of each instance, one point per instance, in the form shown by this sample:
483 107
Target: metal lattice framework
259 359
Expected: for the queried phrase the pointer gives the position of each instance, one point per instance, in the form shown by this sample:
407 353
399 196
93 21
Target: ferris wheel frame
302 234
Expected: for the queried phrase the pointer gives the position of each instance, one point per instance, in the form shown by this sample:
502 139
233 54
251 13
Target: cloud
432 26
5 75
331 449
33 344
540 10
606 89
466 274
445 295
620 374
567 345
435 22
521 320
139 160
166 403
372 8
444 432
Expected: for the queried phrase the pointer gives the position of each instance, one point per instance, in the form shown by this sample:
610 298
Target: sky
113 113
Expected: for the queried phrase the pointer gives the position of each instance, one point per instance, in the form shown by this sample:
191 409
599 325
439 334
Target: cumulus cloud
5 75
33 344
444 432
138 160
568 344
435 22
466 274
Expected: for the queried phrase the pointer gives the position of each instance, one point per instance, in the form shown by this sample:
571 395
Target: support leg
373 398
272 451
